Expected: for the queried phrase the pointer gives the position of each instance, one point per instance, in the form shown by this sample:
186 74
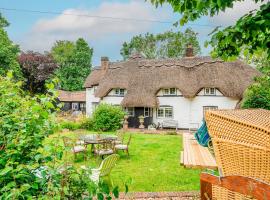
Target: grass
153 164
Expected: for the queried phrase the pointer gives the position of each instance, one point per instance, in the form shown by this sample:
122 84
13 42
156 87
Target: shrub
87 123
258 94
107 117
70 125
24 122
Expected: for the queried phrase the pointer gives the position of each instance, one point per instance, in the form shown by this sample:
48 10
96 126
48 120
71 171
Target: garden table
93 139
97 138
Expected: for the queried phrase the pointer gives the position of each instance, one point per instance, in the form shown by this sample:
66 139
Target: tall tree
36 68
251 32
74 60
163 45
8 52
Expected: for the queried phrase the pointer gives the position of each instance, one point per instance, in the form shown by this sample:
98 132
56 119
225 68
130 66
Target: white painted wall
90 98
189 112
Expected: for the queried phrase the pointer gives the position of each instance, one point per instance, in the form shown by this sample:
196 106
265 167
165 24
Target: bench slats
196 156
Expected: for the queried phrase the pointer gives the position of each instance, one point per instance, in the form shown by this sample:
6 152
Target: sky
71 20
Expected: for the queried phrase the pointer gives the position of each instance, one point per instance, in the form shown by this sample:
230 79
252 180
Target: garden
152 165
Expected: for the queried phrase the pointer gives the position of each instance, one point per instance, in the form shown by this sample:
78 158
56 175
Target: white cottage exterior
170 89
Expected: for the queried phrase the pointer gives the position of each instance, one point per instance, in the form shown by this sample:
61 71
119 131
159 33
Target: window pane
146 112
130 111
122 92
212 90
160 112
168 112
166 91
116 91
172 91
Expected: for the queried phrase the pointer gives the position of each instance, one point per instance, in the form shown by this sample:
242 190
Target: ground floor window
130 111
148 112
165 112
75 106
205 108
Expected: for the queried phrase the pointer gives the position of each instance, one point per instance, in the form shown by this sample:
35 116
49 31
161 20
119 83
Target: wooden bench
169 124
195 155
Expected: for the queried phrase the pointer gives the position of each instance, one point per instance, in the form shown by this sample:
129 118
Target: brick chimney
189 50
104 63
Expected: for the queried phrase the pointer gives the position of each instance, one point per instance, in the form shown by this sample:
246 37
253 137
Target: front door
133 121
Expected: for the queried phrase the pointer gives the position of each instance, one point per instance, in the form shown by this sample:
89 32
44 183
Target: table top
96 138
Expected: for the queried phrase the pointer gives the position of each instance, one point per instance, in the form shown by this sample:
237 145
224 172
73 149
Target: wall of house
189 111
90 99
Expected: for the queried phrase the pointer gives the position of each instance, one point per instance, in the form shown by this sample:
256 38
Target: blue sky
38 31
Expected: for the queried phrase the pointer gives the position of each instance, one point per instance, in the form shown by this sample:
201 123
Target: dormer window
119 92
209 91
169 91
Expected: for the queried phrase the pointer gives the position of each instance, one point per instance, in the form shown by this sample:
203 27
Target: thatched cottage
168 89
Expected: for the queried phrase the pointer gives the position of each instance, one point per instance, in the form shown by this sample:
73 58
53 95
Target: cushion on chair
121 146
102 152
78 148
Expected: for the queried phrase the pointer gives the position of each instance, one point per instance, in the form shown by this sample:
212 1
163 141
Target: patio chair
123 147
75 148
104 148
120 137
105 169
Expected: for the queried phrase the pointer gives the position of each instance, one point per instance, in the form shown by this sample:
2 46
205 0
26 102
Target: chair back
120 135
68 142
108 164
129 139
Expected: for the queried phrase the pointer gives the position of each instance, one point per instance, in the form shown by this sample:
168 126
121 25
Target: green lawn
153 164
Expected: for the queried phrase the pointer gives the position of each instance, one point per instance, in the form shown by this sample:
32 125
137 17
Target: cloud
74 23
231 15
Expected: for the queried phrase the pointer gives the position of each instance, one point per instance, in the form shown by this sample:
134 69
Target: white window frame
210 91
148 112
119 92
130 111
206 108
75 106
169 91
164 109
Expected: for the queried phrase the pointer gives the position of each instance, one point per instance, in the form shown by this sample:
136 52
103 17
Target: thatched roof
67 96
143 78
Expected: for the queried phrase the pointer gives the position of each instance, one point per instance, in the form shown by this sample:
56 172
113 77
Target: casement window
130 111
148 112
82 106
206 108
209 91
75 106
165 112
169 91
119 92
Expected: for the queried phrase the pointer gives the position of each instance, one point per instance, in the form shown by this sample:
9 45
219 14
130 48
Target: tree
8 52
251 32
62 51
75 63
36 68
164 45
258 94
